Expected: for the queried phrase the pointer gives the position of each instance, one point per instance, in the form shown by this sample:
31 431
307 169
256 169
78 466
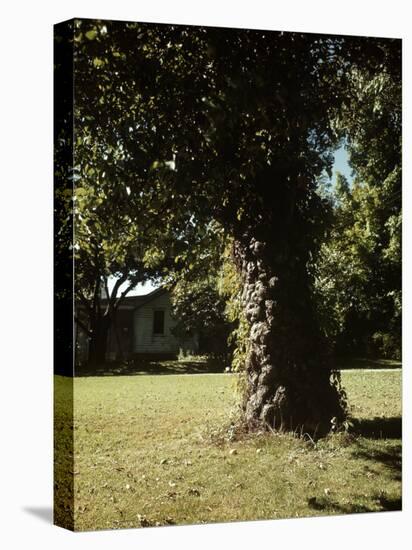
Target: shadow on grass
390 504
378 428
153 366
324 503
390 457
384 504
348 363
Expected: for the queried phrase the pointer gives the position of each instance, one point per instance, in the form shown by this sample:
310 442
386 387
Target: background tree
198 304
117 237
360 267
358 277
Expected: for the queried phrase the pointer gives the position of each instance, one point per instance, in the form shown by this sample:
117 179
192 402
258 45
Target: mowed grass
159 450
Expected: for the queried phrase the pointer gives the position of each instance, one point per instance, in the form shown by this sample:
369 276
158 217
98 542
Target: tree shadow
349 363
390 504
390 457
378 428
372 431
325 504
153 366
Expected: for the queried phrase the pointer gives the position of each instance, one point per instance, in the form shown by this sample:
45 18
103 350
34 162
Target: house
143 326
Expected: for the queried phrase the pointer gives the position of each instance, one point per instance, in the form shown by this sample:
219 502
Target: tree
198 303
359 270
116 211
233 126
116 235
359 274
109 242
106 244
374 144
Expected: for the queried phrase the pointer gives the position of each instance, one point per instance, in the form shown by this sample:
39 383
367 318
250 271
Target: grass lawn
156 450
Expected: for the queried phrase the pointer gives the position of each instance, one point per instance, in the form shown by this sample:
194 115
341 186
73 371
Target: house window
158 322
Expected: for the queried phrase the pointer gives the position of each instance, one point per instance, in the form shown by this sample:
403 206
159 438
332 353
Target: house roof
136 302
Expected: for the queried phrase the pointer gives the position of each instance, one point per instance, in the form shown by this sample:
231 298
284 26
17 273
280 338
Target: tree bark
101 318
98 340
119 354
288 374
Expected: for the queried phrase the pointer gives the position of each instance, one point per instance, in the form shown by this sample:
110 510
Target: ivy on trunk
288 374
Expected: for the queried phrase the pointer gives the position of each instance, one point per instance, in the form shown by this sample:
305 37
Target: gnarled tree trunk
288 373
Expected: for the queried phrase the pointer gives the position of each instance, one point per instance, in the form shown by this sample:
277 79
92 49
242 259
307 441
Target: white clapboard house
143 327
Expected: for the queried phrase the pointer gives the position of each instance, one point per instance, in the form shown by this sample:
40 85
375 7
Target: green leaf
91 35
98 62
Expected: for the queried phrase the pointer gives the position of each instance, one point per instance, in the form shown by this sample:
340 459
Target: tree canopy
178 128
360 265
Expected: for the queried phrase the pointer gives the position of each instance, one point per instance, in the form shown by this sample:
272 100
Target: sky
139 290
340 165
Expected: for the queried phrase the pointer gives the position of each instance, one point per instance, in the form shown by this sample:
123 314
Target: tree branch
123 294
112 299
